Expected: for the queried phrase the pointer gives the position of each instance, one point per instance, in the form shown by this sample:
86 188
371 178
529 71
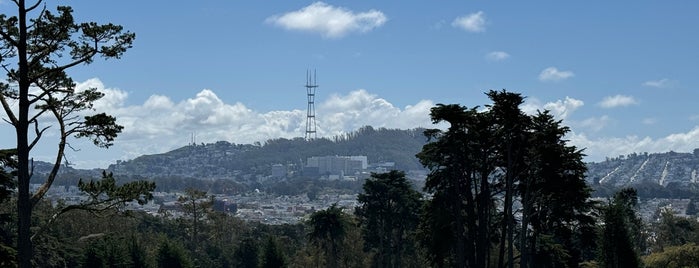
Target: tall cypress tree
388 214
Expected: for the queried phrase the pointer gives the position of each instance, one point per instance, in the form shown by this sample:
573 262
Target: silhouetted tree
556 223
620 227
389 214
41 49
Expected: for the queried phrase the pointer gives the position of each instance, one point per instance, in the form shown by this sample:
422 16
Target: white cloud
595 124
598 149
649 121
617 101
329 21
662 83
561 109
474 22
553 74
497 56
159 124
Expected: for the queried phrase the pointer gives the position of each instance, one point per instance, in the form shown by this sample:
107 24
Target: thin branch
34 6
45 92
56 164
8 110
61 68
38 134
36 116
84 206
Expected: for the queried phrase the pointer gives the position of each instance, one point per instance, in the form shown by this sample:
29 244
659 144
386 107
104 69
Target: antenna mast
311 86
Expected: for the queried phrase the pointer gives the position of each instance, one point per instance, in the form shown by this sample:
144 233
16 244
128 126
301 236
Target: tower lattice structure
311 86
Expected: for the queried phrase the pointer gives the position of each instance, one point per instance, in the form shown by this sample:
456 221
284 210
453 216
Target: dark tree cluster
505 189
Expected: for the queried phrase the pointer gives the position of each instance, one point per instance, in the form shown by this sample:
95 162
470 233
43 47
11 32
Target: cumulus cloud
329 21
662 83
160 124
553 74
617 101
497 56
561 109
474 22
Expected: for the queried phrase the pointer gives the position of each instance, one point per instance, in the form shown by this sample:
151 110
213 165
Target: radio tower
311 112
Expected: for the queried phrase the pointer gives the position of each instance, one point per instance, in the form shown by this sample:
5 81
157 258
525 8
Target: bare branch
56 164
36 116
38 134
34 6
8 110
89 207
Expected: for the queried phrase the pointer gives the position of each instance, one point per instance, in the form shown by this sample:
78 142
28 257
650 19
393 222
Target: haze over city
621 76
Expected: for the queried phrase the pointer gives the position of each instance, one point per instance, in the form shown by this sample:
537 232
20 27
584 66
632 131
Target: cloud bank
329 21
161 124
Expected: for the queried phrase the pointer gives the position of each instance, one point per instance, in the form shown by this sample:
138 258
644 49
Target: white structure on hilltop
336 165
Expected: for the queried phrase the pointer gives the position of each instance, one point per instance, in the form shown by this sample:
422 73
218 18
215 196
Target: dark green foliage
272 256
137 254
107 252
389 214
485 163
621 227
686 255
555 199
172 255
328 229
673 230
246 255
8 166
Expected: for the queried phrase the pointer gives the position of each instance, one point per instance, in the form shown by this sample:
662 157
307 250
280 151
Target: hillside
227 160
668 173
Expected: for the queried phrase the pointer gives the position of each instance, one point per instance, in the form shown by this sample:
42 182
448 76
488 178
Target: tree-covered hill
227 160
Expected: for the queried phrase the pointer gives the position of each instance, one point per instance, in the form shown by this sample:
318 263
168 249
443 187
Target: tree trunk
24 207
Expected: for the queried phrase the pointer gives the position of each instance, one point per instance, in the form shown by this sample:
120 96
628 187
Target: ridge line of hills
654 174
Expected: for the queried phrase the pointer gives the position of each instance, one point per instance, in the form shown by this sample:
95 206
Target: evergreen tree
556 226
42 48
8 166
481 167
388 213
272 256
621 225
246 255
328 229
172 255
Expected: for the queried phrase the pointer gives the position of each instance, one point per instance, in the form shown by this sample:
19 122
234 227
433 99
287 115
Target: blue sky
622 75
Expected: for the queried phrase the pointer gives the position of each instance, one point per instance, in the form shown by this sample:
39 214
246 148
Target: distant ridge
221 160
657 175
